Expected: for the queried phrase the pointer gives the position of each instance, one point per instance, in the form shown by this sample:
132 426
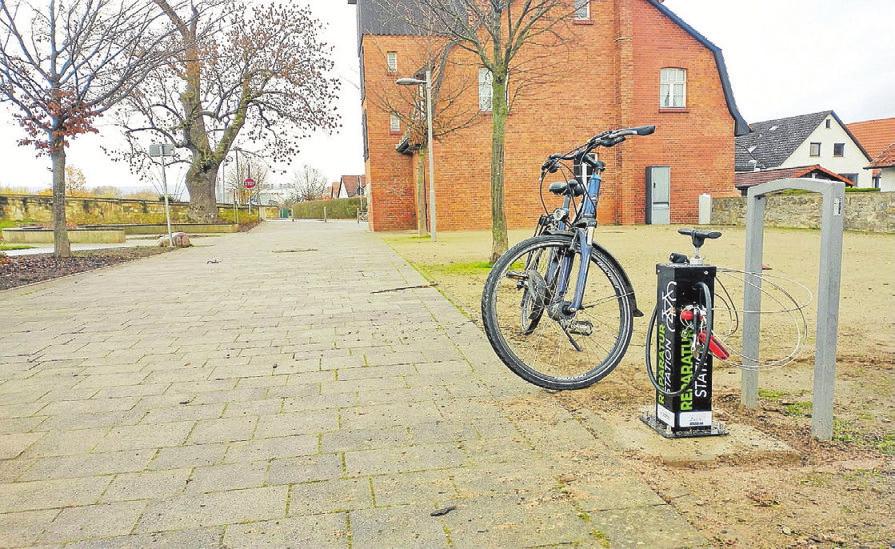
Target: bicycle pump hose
701 358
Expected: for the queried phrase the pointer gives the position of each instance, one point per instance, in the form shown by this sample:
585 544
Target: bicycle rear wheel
549 353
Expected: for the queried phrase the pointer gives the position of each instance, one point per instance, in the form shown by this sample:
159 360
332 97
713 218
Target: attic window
815 149
394 123
838 149
391 61
582 10
673 88
828 123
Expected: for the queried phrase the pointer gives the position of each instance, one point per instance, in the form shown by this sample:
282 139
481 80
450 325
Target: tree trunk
499 112
421 191
61 245
201 182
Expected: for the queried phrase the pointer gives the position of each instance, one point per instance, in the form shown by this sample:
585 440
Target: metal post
324 214
828 285
431 151
827 311
755 208
167 207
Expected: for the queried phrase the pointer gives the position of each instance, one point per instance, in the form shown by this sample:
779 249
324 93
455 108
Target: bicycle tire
504 351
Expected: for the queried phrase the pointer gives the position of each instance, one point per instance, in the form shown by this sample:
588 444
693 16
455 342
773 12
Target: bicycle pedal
581 327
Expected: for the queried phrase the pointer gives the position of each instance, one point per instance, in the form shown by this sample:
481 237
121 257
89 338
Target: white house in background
806 140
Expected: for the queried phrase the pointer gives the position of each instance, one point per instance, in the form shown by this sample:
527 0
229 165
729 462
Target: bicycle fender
629 288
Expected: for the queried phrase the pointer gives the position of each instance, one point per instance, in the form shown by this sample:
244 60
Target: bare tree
65 63
308 184
258 71
508 38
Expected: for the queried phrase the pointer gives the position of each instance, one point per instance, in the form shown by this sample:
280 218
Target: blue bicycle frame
586 216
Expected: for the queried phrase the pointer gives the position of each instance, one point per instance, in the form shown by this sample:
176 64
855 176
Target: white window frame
671 81
811 149
391 62
394 123
579 5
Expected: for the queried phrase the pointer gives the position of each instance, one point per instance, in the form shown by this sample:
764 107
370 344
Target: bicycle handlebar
609 138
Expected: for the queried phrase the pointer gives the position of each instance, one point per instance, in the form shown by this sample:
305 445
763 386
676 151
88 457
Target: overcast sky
785 57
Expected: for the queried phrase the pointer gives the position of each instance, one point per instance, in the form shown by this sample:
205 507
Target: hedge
340 208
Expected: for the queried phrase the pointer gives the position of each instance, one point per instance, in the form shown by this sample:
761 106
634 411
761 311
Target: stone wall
102 211
867 211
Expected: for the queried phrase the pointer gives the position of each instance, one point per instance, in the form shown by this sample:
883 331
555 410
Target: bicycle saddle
698 236
572 187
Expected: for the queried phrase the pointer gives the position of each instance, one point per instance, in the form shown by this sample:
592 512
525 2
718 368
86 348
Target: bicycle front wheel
556 351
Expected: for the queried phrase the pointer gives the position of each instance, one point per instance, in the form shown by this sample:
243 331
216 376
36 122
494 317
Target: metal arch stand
832 226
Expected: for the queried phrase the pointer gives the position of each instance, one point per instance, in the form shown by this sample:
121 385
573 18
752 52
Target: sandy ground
837 494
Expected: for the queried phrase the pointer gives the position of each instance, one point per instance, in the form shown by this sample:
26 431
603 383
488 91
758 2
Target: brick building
627 63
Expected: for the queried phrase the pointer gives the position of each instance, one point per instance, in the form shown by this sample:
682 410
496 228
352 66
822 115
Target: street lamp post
428 83
162 150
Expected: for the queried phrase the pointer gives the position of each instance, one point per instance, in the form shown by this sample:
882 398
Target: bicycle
535 277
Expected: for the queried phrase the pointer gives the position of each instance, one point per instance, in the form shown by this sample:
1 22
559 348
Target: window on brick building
838 149
391 61
582 10
673 88
485 92
814 149
394 123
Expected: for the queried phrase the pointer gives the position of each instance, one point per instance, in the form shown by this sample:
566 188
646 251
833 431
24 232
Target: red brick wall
607 77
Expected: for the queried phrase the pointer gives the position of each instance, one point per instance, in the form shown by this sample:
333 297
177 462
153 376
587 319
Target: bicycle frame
586 216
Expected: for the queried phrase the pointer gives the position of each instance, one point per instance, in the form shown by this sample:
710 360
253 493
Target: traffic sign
249 183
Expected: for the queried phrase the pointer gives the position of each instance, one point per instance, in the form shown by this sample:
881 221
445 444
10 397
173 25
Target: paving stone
193 455
202 538
330 496
404 459
85 465
232 476
145 436
405 527
213 509
512 522
11 445
182 412
320 531
366 439
435 488
296 423
67 443
93 521
304 468
50 494
270 448
229 429
20 529
667 529
387 415
147 485
269 406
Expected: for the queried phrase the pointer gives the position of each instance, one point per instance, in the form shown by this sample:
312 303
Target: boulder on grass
181 240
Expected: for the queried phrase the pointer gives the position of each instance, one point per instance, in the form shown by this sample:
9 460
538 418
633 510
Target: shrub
340 208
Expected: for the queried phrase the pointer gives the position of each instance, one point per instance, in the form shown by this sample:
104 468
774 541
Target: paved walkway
255 390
